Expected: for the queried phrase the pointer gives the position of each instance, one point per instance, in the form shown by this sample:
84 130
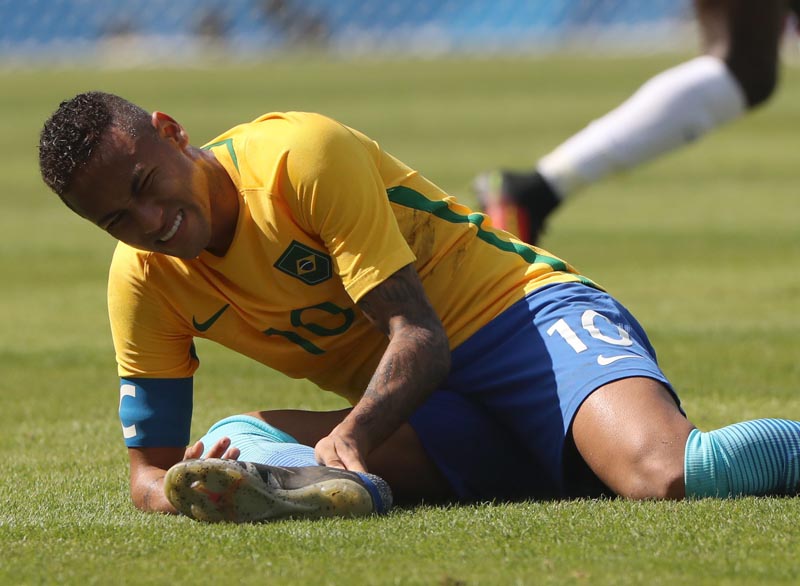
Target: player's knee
755 67
746 36
759 85
651 475
642 466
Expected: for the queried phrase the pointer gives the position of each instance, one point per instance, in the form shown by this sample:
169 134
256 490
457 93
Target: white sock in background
673 108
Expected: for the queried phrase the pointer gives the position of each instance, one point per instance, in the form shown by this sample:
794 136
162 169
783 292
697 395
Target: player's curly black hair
71 135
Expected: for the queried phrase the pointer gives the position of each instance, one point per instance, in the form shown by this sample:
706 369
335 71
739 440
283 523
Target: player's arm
147 469
156 361
156 417
416 360
334 189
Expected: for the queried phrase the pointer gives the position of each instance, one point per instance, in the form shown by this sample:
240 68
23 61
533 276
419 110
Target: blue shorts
499 425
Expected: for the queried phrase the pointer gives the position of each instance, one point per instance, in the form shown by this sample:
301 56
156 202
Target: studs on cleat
216 490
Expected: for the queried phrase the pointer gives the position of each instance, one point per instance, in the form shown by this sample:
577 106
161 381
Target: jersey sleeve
336 191
155 355
150 340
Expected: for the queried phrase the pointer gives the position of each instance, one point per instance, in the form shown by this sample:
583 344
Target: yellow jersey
325 215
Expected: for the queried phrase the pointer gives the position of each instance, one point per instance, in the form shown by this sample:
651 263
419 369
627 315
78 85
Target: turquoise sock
750 458
260 442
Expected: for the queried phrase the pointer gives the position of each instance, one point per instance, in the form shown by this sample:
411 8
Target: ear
167 127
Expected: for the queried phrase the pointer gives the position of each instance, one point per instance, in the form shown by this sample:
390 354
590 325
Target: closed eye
142 185
114 221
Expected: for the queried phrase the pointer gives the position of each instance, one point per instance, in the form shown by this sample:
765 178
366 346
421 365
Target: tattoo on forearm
401 294
418 355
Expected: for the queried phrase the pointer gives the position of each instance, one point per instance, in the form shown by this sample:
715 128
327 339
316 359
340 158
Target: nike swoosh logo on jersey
606 360
203 326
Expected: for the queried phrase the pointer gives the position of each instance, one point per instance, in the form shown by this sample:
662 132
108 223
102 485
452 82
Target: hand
340 449
221 449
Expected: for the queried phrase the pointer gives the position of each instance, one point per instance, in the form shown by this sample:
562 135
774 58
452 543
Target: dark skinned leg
746 35
633 436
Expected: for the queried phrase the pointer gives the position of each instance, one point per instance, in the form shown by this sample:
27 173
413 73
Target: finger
334 463
352 460
337 455
231 454
194 451
326 455
219 448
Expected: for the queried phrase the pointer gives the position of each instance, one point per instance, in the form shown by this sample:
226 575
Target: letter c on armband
126 390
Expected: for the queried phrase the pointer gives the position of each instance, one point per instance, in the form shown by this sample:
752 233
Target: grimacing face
150 191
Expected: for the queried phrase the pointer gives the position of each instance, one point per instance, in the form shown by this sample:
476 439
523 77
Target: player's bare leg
745 35
632 435
635 439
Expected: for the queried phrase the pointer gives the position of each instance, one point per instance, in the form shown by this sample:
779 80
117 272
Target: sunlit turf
703 246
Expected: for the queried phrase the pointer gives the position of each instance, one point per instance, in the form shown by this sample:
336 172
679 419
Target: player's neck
224 209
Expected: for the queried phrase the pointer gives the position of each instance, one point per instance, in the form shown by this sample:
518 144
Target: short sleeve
149 339
335 188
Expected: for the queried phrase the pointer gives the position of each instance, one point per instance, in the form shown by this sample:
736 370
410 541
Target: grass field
704 246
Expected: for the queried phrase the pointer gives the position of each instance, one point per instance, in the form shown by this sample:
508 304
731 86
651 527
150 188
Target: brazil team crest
308 265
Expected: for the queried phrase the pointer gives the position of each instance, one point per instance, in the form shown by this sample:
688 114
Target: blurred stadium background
148 32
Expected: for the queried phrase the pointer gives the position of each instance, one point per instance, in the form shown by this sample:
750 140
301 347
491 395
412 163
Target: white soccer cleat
215 490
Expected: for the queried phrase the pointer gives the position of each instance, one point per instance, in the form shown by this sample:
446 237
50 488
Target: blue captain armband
155 412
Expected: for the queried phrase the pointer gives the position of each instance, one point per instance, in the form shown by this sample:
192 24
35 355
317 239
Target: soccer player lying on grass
738 72
300 243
